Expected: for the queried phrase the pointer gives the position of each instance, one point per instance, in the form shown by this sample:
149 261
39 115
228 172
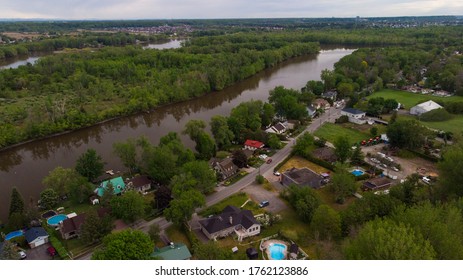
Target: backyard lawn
409 99
331 131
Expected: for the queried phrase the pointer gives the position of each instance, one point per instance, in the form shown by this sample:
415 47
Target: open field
409 99
331 131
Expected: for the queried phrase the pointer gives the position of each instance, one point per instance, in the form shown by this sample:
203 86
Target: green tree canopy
9 251
222 134
342 148
326 223
48 198
303 144
95 228
125 245
90 165
68 181
342 183
127 152
387 240
450 171
304 200
408 134
183 206
16 202
203 174
130 206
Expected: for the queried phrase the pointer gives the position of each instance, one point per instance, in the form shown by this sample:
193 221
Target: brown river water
26 165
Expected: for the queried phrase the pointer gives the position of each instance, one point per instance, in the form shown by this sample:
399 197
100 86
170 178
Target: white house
424 108
36 236
278 128
231 220
355 116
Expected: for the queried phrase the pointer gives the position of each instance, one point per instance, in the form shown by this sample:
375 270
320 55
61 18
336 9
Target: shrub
437 115
342 119
260 179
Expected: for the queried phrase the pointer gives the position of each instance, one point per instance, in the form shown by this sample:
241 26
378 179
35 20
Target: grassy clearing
331 132
235 200
409 99
299 162
328 198
177 235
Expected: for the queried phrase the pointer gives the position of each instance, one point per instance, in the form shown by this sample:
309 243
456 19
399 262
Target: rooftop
353 111
177 251
117 183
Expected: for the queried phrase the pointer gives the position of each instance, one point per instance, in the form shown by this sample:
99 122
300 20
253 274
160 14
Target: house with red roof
253 145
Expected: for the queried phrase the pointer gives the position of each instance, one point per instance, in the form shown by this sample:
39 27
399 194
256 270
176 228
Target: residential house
253 145
278 128
376 184
141 184
332 94
302 177
311 111
424 107
321 103
36 236
71 227
225 167
355 115
117 183
291 124
231 220
248 153
175 251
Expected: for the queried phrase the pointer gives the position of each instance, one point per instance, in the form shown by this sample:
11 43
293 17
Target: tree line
68 91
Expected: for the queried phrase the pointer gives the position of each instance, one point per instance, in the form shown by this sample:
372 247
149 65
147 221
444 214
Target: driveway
38 253
258 194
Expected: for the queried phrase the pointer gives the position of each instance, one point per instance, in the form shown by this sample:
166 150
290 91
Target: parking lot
258 194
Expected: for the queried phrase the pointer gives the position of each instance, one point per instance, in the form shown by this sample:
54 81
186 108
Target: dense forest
71 90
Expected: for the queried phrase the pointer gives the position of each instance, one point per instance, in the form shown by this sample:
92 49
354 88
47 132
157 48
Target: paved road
265 170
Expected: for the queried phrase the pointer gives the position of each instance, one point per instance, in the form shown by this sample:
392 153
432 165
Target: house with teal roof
117 183
176 251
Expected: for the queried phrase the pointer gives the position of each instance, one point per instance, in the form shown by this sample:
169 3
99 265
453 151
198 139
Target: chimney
231 220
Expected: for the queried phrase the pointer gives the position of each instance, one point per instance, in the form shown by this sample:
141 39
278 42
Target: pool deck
264 247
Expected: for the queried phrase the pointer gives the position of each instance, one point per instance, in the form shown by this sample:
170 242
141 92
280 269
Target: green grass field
409 99
331 131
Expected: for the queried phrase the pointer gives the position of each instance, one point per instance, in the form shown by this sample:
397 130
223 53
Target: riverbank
24 166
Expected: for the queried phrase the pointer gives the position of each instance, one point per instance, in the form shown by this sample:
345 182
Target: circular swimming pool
277 251
55 220
14 234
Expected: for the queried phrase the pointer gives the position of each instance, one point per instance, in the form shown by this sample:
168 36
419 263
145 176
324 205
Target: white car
395 169
276 173
22 255
426 180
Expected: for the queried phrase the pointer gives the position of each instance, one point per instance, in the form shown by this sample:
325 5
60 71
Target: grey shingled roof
217 223
35 232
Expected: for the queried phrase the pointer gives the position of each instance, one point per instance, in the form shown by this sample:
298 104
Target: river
26 165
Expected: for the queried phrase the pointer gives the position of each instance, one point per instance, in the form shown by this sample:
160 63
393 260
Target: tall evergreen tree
90 165
17 202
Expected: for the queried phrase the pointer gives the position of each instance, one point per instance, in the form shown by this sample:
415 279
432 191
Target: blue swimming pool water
357 172
54 221
14 234
277 251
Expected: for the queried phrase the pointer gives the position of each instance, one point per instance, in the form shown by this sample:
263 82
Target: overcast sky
167 9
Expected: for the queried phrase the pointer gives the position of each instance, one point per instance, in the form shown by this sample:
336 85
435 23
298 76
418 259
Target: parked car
269 160
426 180
395 169
51 251
276 173
264 203
22 255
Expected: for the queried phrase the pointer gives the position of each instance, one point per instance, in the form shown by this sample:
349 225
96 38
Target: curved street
266 170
